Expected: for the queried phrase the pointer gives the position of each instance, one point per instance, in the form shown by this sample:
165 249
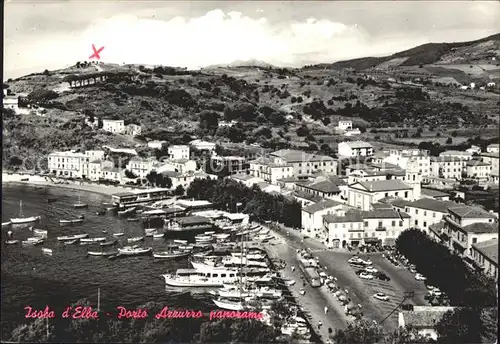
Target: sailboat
80 205
22 219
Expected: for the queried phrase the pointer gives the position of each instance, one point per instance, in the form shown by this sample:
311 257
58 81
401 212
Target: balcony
380 229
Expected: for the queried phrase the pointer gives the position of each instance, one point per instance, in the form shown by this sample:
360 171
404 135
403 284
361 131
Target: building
423 319
226 165
362 194
202 145
493 148
176 152
111 174
485 256
323 188
305 163
425 211
312 217
465 226
456 154
95 170
69 164
473 150
401 157
156 144
479 170
133 130
270 170
344 125
115 126
365 227
435 194
306 199
141 167
247 179
354 148
182 165
448 167
269 188
492 158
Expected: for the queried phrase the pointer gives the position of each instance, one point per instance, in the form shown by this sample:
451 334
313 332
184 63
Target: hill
433 53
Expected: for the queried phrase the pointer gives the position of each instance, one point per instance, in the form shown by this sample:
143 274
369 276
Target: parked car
382 276
360 271
371 270
420 277
381 297
365 275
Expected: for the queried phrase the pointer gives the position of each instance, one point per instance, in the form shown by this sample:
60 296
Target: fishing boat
180 242
6 224
101 253
33 241
133 251
158 235
222 236
108 243
21 219
118 234
71 222
40 232
150 232
229 304
72 237
85 240
135 239
46 251
51 200
80 205
71 242
203 238
12 242
172 254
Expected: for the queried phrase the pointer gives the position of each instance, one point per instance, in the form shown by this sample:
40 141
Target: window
366 223
425 213
406 194
433 214
400 223
416 211
425 224
380 224
393 224
474 240
386 194
416 222
396 194
359 235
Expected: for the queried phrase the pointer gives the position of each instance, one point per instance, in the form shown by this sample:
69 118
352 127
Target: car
360 271
420 277
413 270
302 292
435 292
371 270
382 276
381 297
430 287
365 275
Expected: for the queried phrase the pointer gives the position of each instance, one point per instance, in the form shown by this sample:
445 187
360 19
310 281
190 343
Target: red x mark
96 52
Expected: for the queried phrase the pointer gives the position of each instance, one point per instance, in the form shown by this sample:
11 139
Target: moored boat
135 239
126 211
21 219
72 237
85 240
40 232
80 205
6 224
101 253
46 251
133 251
133 219
108 243
158 235
171 254
71 242
118 234
12 242
33 241
180 242
71 222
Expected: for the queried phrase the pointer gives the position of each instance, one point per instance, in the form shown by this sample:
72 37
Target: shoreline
104 190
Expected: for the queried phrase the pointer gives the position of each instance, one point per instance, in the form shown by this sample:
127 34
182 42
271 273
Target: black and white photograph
250 172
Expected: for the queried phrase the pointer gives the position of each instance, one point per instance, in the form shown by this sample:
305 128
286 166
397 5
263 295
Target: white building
305 163
344 125
448 167
181 165
133 130
111 173
141 167
456 154
156 144
115 126
95 170
423 319
312 217
247 179
493 148
492 159
69 164
478 170
485 255
95 154
400 157
269 170
355 148
473 150
202 145
176 152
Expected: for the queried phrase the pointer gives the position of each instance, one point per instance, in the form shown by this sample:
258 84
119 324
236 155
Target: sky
50 35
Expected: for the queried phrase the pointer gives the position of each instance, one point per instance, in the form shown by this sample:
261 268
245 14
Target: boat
180 242
135 239
253 256
40 232
70 222
214 277
203 238
12 242
80 205
101 253
133 219
151 232
222 236
33 241
72 237
51 200
21 219
85 240
126 211
235 304
133 251
108 243
118 234
46 251
6 224
172 254
71 242
158 235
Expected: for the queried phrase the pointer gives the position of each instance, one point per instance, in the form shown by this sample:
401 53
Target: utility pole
406 295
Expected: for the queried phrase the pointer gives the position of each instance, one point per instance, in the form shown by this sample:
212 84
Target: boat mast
98 299
20 208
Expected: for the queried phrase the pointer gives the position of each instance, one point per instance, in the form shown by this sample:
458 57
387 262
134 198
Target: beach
17 178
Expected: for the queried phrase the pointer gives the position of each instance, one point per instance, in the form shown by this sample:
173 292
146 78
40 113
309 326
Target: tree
179 190
302 131
462 325
363 331
449 141
130 174
454 133
209 120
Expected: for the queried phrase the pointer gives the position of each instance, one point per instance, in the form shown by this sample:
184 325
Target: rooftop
194 203
427 318
468 212
353 216
384 185
325 186
268 161
322 205
190 220
481 228
432 204
489 248
433 193
491 155
383 214
379 206
400 203
307 196
292 155
477 163
357 144
455 152
289 180
242 176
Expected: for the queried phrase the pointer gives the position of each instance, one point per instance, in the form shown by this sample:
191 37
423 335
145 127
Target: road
361 291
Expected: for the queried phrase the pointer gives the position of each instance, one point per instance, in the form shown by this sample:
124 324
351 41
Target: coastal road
334 262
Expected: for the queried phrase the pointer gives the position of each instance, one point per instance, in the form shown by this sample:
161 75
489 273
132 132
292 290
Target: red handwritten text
33 313
235 315
165 313
135 314
85 313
